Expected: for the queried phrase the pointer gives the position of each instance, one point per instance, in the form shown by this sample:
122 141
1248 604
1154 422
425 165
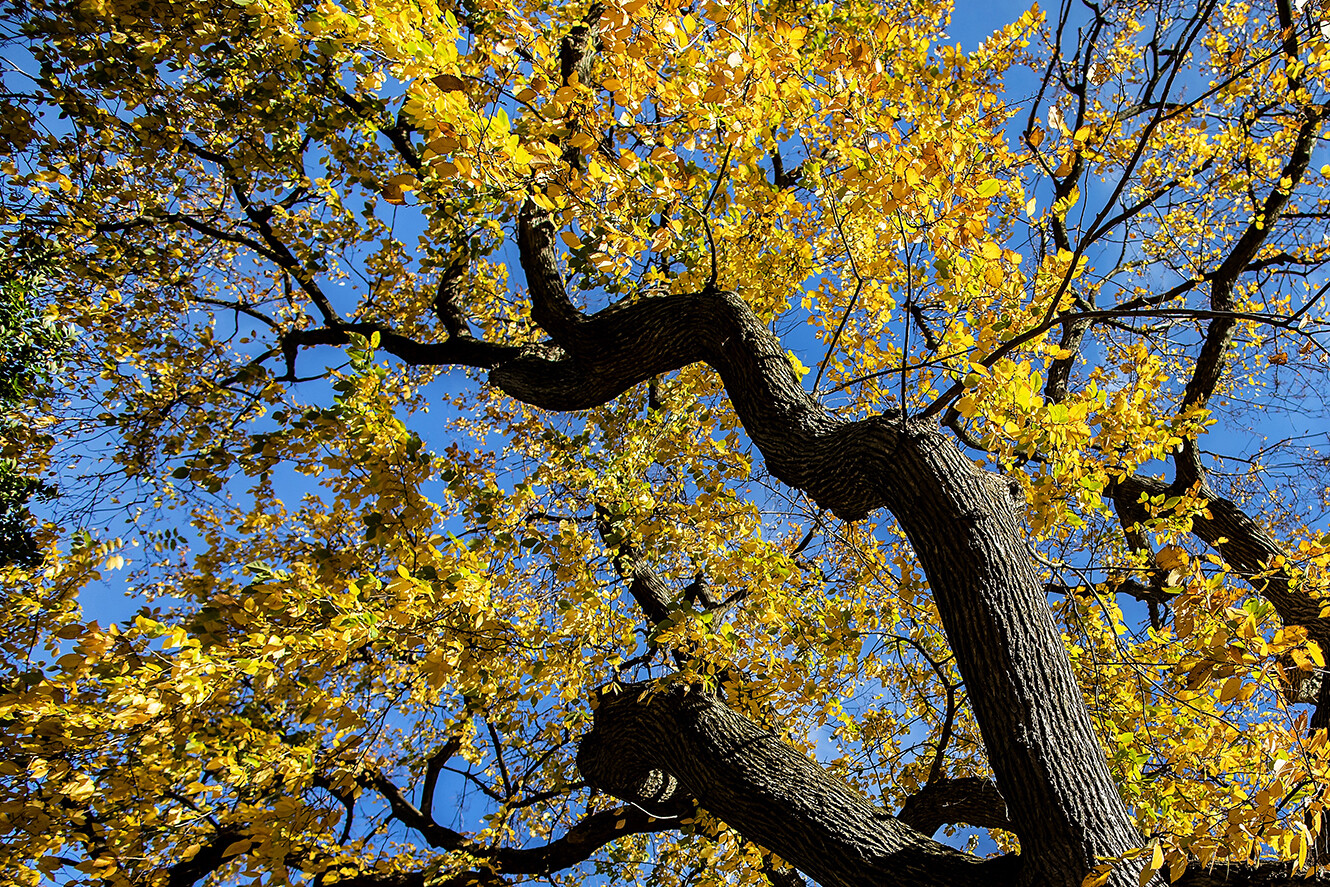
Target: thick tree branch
645 585
781 877
457 351
446 300
966 800
551 308
654 743
575 51
576 845
1059 371
433 766
661 744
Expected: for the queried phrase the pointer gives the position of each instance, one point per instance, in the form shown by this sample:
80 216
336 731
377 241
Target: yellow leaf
450 83
1315 654
1097 877
1177 865
1172 557
1155 864
236 848
1055 119
1302 840
799 369
988 188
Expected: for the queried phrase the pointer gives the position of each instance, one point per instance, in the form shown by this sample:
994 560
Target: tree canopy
675 442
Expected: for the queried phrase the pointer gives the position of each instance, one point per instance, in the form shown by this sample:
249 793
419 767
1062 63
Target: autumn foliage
439 389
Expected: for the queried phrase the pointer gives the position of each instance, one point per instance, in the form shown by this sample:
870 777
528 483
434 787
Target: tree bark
650 743
967 800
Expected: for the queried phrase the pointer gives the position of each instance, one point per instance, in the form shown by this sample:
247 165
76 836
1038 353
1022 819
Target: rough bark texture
967 800
650 743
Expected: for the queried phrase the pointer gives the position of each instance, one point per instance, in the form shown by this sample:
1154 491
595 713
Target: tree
31 348
449 371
